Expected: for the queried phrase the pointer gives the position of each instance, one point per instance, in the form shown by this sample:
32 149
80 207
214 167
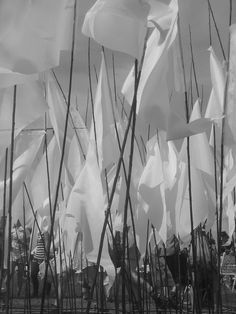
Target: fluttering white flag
75 159
103 126
228 216
161 13
58 113
178 128
200 203
9 78
153 94
202 180
118 25
231 111
22 166
158 177
39 182
151 187
31 34
30 105
169 160
152 175
86 205
215 105
205 160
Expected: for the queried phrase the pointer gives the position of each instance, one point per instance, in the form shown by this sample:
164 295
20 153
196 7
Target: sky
193 15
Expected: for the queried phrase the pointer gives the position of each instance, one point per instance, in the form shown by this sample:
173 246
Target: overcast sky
193 13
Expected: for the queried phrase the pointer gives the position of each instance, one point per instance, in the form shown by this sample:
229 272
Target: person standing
39 256
18 255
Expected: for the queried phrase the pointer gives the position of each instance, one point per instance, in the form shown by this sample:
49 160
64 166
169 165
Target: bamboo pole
217 30
4 218
193 64
196 298
91 97
209 23
136 140
222 147
86 112
107 213
51 216
35 223
114 78
126 180
125 227
71 118
62 155
10 200
111 199
26 260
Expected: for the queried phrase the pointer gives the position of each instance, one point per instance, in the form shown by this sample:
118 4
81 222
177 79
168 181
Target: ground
19 305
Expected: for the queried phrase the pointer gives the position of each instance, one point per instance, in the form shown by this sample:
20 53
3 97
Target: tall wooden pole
10 201
62 158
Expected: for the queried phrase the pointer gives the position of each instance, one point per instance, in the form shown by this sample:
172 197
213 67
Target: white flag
86 204
153 94
31 34
22 166
30 105
118 25
104 125
39 182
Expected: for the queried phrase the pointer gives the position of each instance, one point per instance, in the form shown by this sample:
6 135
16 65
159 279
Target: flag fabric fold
153 81
39 181
86 205
118 25
231 98
103 126
22 166
151 187
30 35
30 105
205 160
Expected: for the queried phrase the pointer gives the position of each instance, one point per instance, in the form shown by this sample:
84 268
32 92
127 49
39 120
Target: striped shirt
42 242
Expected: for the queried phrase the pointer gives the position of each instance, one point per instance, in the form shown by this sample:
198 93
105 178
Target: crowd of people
167 268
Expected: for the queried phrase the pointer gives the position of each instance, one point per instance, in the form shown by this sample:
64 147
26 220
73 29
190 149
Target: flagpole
193 64
36 223
51 216
217 30
209 23
86 112
62 156
107 213
26 260
119 145
222 158
195 288
125 227
125 174
10 200
91 97
71 118
114 78
4 218
111 200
